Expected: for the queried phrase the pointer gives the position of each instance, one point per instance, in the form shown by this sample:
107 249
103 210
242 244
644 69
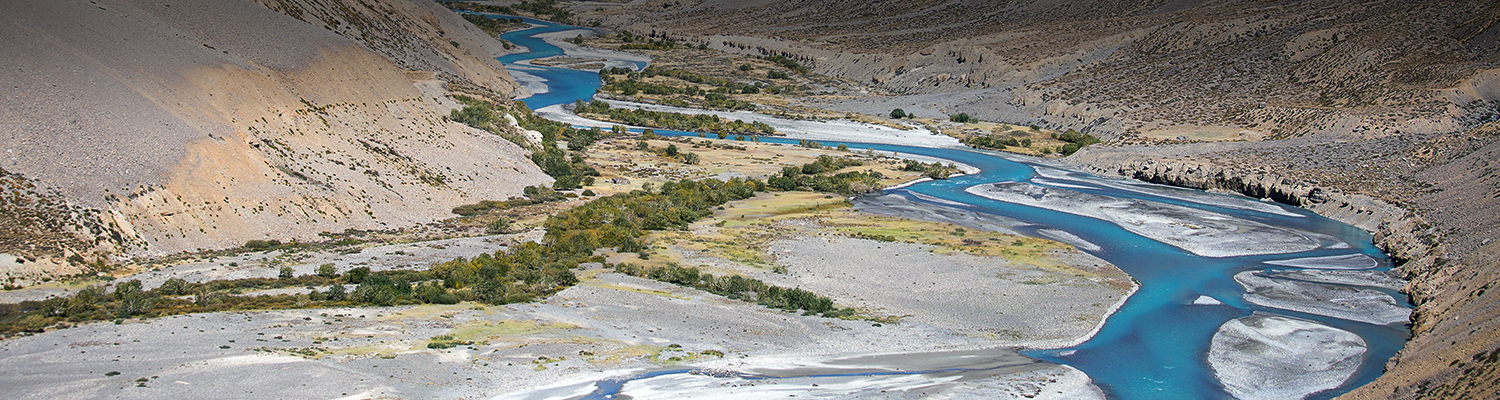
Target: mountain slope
196 125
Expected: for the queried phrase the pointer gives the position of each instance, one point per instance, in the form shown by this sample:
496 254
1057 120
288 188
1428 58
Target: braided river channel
1315 285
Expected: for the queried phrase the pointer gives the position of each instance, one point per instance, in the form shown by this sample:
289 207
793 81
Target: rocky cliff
144 127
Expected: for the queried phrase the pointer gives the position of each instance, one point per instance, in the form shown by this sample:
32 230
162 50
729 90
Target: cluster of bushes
631 84
567 171
742 288
534 195
787 63
485 116
818 176
671 120
1075 141
630 87
936 170
542 9
875 237
995 142
262 245
650 44
620 220
527 271
494 26
963 118
671 151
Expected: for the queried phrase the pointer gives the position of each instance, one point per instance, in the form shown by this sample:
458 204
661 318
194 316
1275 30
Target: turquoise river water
1154 346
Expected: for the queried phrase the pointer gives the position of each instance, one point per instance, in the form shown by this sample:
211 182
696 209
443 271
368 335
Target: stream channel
1156 345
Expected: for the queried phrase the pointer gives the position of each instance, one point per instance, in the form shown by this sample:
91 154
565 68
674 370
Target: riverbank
1425 249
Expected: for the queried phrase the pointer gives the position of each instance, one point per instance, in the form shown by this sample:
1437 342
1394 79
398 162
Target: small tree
286 273
746 67
336 292
499 226
328 271
962 118
898 113
173 287
671 150
262 244
690 158
358 275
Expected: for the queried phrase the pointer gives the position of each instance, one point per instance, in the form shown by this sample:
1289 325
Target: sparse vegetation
1075 141
819 176
541 9
494 26
534 195
936 170
742 288
671 120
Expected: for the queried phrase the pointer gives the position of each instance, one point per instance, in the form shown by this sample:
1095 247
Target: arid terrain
157 140
1379 114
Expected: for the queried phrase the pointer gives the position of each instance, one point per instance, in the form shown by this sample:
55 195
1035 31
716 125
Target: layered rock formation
152 127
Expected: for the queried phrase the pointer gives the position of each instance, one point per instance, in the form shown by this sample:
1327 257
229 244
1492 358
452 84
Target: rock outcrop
177 126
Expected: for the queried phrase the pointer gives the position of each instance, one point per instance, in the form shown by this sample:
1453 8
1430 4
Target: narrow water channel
1156 345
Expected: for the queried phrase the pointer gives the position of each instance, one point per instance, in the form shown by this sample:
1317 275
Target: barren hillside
143 127
1380 114
1281 69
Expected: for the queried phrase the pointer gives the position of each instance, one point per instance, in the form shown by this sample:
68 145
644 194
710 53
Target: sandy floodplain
950 298
1204 233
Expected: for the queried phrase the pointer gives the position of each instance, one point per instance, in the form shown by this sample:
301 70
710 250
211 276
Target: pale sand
1266 356
1201 232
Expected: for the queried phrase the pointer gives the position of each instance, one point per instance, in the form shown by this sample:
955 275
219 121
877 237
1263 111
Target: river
1156 345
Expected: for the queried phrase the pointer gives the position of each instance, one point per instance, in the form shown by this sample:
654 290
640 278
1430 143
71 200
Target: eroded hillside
1123 69
192 125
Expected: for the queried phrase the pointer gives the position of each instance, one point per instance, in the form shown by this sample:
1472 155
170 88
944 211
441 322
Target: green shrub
174 287
328 271
262 244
